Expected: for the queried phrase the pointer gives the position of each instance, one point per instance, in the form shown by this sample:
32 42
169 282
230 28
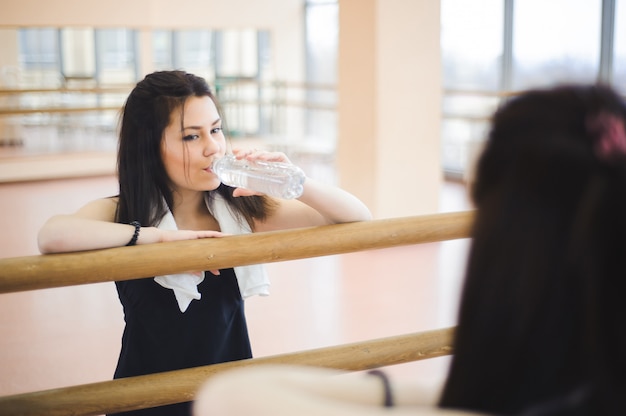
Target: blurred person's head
540 322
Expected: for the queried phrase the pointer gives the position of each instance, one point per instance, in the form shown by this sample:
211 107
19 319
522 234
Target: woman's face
189 147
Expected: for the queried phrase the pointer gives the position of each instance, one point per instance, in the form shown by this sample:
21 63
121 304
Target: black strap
386 386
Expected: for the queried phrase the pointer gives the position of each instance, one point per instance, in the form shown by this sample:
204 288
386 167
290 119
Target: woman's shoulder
108 202
102 209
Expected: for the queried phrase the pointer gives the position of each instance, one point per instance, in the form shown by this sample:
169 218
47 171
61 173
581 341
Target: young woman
540 328
171 131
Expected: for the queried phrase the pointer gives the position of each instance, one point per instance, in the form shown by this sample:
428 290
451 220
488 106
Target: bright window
468 68
619 57
555 41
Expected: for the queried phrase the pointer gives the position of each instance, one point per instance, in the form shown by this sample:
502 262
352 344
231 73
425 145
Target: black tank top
159 337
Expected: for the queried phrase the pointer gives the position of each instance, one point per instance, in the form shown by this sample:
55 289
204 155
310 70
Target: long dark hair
540 326
143 181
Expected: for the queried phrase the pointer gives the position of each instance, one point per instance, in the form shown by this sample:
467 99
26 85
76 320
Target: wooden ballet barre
65 90
160 389
127 263
35 110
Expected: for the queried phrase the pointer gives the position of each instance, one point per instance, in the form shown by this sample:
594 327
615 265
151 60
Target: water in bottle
281 180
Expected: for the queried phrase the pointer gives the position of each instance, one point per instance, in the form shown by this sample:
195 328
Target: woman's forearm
334 204
66 233
283 390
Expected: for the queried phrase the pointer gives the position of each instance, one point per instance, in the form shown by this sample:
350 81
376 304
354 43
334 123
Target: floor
67 336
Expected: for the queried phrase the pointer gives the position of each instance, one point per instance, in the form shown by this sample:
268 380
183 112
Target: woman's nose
211 146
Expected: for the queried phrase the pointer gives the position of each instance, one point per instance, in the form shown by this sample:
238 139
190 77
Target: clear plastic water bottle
280 180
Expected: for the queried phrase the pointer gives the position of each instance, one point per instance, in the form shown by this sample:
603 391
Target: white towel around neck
252 280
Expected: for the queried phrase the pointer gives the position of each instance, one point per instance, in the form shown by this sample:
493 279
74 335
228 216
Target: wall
389 104
284 18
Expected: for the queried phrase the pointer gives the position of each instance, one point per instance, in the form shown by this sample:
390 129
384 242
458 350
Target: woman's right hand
179 235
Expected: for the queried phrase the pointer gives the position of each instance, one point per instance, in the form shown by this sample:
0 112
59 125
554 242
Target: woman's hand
180 235
264 155
257 155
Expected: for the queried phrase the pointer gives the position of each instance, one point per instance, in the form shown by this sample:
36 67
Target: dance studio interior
387 99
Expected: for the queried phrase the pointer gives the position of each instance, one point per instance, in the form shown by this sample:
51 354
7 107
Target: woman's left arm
319 204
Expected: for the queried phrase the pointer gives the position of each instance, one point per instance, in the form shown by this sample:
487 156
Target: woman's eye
191 137
216 130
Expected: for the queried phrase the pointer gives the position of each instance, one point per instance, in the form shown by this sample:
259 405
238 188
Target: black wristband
386 386
133 240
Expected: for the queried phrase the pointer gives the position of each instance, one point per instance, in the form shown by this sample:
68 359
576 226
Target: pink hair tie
609 133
